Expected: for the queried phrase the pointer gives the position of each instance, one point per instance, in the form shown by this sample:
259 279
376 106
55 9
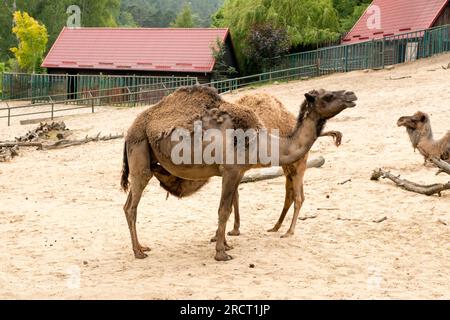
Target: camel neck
298 144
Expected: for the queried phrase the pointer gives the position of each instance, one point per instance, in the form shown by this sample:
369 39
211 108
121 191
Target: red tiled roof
397 16
143 49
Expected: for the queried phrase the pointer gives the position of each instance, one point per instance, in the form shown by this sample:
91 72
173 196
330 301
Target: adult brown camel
274 115
418 127
149 145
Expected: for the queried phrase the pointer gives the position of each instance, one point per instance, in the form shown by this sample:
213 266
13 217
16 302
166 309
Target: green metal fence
55 108
279 75
375 54
27 86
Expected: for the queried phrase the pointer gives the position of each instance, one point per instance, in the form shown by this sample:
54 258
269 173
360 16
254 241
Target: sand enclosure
64 234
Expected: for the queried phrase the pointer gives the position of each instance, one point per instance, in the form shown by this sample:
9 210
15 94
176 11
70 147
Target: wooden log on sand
275 172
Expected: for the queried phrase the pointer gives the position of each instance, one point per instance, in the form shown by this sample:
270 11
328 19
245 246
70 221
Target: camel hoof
222 256
273 230
145 249
234 233
214 239
140 255
228 247
287 235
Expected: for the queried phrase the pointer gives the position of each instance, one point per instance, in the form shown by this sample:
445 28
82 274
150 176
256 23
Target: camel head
415 122
329 103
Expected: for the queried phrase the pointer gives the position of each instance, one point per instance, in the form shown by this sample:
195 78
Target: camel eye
328 97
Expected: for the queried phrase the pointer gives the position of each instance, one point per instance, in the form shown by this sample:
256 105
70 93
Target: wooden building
164 52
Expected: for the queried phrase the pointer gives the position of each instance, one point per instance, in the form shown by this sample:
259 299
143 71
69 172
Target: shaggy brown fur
185 106
420 133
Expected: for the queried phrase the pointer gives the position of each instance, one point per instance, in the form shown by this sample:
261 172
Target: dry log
400 78
275 172
70 143
65 143
409 185
10 144
443 166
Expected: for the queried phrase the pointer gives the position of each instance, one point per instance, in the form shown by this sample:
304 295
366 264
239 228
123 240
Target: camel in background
419 130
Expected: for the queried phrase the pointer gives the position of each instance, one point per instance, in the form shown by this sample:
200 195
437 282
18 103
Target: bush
264 43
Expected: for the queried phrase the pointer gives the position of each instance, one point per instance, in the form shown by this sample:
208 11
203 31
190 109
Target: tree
306 21
32 37
185 18
221 69
264 43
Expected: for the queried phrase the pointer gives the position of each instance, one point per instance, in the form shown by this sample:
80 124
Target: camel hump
270 111
208 94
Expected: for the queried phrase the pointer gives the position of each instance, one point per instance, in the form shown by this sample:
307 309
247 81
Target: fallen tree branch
70 143
10 144
344 182
400 78
60 144
409 185
275 172
380 220
443 166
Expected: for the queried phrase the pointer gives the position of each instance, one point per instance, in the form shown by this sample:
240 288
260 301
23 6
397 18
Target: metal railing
74 97
375 54
302 72
27 86
133 99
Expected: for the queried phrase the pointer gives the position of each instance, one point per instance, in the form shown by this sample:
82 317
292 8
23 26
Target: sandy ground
64 235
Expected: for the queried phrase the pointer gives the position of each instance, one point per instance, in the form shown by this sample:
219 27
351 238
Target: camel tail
124 183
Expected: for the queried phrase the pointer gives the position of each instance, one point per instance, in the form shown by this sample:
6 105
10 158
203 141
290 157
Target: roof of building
395 17
140 49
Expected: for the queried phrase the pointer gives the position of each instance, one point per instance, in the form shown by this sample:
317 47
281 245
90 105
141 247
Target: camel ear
310 98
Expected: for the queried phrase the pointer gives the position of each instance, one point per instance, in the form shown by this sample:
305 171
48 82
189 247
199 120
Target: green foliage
264 43
2 69
52 13
160 13
32 37
185 18
221 69
347 23
306 21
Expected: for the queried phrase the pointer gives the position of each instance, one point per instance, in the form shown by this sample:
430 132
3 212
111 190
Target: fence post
346 59
92 101
9 114
53 107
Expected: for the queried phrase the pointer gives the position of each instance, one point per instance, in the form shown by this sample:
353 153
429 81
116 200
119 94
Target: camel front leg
299 196
336 135
230 183
237 218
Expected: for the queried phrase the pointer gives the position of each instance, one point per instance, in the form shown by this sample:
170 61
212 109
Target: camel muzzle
350 98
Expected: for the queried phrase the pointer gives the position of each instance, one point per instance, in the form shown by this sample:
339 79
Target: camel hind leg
140 174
